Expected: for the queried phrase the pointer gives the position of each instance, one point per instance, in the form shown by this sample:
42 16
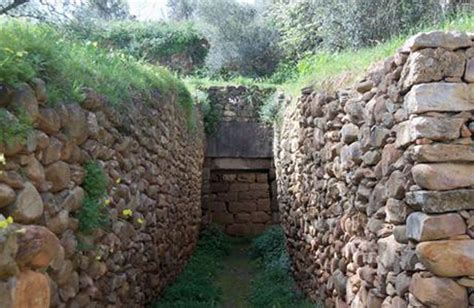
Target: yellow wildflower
118 181
2 159
127 212
140 221
6 222
107 201
97 258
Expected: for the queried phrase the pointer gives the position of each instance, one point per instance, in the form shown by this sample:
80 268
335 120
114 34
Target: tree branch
11 6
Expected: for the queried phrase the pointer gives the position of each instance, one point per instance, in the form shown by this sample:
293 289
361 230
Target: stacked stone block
375 183
152 161
241 202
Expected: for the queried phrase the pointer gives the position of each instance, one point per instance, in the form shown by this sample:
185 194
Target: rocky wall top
375 183
152 163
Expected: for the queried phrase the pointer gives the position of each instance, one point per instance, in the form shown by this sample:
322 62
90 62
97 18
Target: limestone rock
49 121
438 292
443 176
443 153
453 258
7 195
28 205
349 133
441 201
37 247
434 39
388 248
74 121
422 227
31 290
395 211
438 129
59 174
440 96
429 65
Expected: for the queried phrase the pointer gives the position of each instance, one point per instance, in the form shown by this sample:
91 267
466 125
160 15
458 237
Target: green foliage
242 42
154 42
209 112
35 50
270 111
14 128
195 286
273 286
328 70
93 214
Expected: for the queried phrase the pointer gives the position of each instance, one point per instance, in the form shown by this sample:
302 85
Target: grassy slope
30 50
329 70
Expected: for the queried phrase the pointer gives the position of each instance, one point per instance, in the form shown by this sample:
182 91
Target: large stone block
59 174
438 292
443 176
37 247
421 227
428 65
434 39
443 153
439 96
31 289
441 201
28 205
448 258
438 129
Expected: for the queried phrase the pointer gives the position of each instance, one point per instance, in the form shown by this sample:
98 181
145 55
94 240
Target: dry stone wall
152 161
376 184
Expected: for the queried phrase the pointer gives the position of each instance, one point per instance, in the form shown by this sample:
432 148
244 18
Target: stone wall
376 185
153 163
241 201
239 189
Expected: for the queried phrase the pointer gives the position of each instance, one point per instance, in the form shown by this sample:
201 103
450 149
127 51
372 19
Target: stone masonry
241 202
239 188
153 164
376 182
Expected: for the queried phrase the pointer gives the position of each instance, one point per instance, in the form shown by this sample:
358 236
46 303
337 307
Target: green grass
30 50
273 286
195 286
331 70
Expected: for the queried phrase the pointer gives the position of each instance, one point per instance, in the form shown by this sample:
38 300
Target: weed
14 128
93 214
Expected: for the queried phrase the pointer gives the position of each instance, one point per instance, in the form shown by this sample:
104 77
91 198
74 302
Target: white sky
154 9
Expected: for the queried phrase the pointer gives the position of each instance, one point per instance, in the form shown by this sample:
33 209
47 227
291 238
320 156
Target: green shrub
195 286
154 42
93 214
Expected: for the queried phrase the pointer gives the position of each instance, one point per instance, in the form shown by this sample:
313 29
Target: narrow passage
235 277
